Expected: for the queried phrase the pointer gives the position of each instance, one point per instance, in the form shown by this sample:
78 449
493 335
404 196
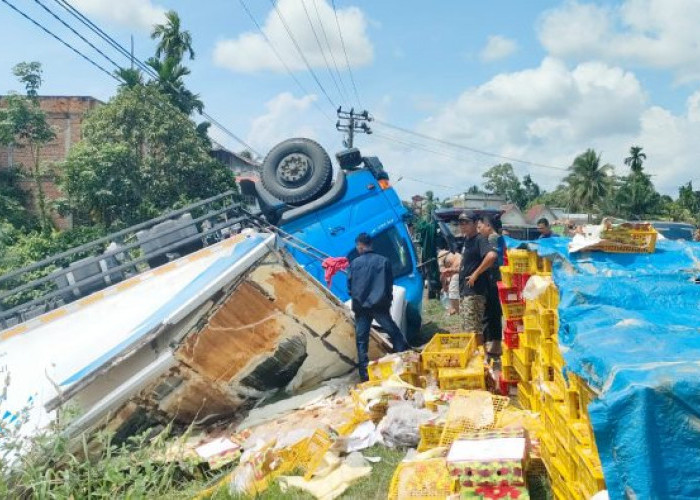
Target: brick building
65 115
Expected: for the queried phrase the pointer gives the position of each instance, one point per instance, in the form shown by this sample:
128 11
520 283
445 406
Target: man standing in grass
371 285
478 256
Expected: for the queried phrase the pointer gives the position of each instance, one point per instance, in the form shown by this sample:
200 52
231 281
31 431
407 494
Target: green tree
688 198
173 42
23 125
170 82
29 74
14 200
636 196
588 182
531 190
501 179
430 204
635 159
474 190
131 77
139 156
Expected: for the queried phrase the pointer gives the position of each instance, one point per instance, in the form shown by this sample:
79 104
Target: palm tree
589 182
635 159
172 41
130 77
170 74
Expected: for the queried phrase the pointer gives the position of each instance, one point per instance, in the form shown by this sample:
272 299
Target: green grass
374 487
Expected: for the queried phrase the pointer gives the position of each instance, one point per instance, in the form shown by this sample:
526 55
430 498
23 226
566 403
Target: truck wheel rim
294 169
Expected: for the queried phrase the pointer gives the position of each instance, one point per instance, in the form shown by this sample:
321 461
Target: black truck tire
297 171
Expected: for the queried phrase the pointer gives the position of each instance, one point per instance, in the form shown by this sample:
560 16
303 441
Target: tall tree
501 179
531 190
173 42
474 190
635 196
635 159
170 82
139 156
589 182
23 125
131 77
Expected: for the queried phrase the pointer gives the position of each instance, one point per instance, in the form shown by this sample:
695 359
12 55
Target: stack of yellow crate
567 445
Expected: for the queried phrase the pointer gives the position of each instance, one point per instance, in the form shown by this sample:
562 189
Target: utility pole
352 123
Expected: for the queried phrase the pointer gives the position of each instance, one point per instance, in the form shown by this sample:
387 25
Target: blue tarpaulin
630 326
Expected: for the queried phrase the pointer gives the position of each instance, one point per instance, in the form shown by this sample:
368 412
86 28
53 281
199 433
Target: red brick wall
65 115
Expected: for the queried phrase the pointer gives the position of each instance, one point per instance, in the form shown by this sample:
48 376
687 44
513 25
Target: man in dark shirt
370 282
493 315
478 256
544 228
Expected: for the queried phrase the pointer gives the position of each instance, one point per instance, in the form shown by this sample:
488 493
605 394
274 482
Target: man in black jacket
370 282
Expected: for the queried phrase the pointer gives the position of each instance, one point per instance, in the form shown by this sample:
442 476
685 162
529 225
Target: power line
468 148
144 67
347 59
420 147
58 18
281 59
330 50
59 39
93 27
320 47
301 53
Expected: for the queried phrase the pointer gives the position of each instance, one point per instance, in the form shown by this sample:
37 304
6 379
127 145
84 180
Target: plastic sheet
629 326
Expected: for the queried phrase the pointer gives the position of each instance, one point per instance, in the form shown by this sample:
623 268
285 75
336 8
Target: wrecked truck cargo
199 339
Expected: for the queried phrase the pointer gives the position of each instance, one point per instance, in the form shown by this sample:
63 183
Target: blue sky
539 80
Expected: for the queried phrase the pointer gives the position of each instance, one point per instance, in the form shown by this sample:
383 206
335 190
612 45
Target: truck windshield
391 245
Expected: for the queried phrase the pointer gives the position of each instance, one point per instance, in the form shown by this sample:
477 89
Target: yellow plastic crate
316 448
384 369
519 261
424 480
549 322
573 409
513 311
585 393
466 414
549 299
531 320
430 435
558 378
507 276
473 376
580 435
548 450
521 363
590 471
551 394
561 423
449 350
507 358
525 397
557 358
530 338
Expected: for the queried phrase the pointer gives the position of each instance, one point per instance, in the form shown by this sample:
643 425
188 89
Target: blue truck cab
326 223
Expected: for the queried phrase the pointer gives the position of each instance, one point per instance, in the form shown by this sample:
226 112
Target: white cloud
498 47
142 14
250 52
649 33
548 114
286 116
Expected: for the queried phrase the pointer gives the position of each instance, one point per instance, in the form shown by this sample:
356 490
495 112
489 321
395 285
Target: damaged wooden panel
244 330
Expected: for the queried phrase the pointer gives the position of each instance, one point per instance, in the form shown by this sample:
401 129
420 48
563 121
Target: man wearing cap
478 256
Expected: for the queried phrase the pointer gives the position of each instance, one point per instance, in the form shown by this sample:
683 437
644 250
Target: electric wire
281 59
347 59
346 94
59 39
323 52
141 65
301 53
468 148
